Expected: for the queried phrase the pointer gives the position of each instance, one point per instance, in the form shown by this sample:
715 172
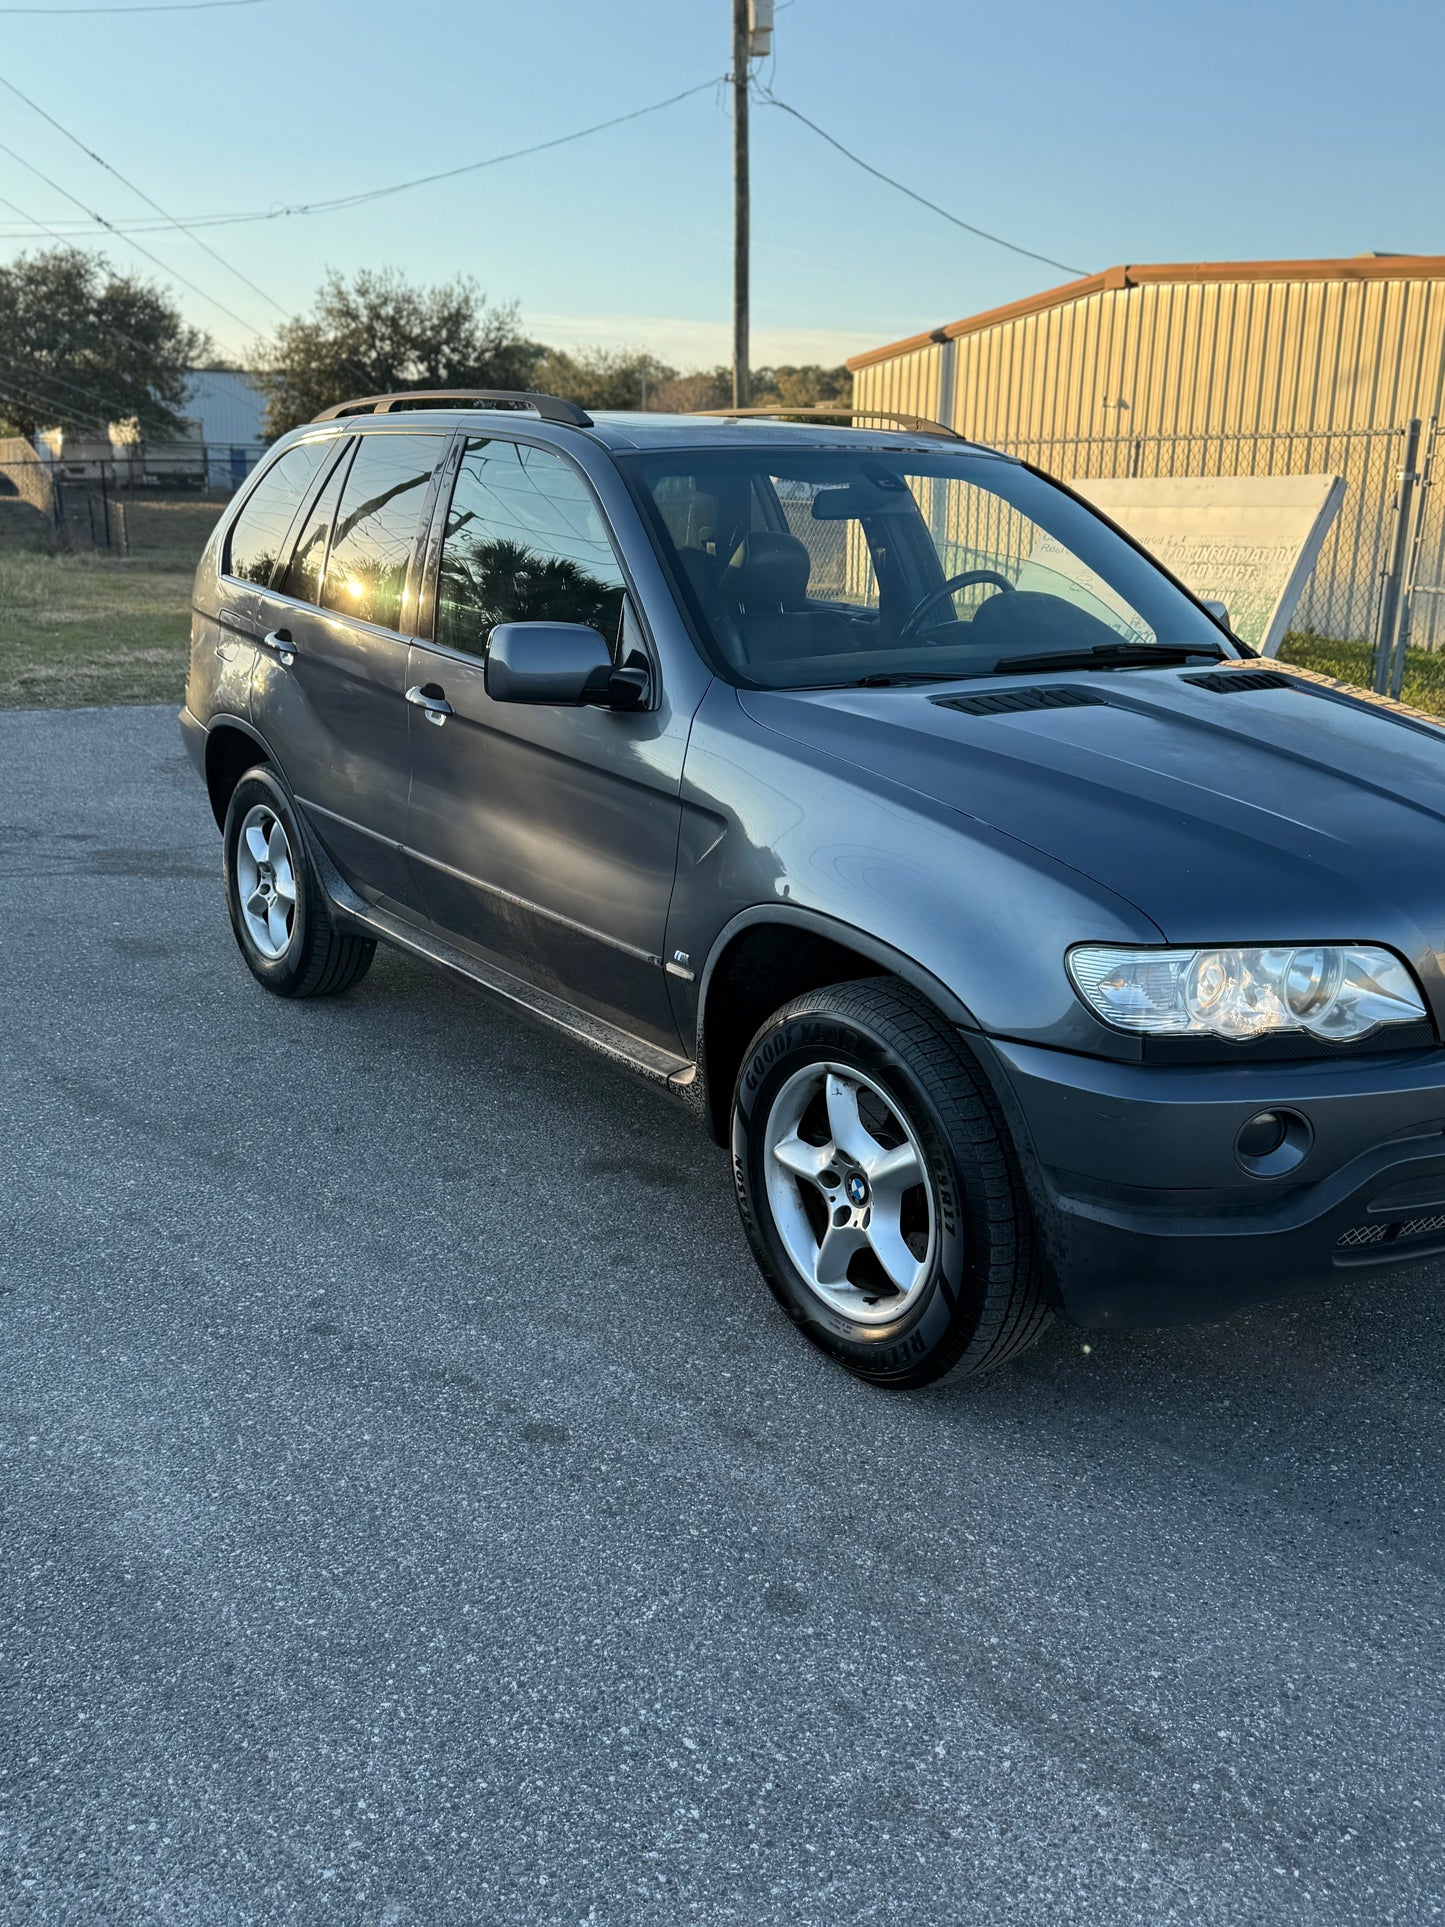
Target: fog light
1262 1134
1273 1142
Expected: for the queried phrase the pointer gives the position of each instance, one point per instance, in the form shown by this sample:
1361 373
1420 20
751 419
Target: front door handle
430 701
279 642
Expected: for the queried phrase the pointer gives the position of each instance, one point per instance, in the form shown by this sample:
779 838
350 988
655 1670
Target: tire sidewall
261 786
946 1313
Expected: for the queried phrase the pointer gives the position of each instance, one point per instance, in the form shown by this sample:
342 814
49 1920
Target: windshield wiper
1112 655
1104 655
888 678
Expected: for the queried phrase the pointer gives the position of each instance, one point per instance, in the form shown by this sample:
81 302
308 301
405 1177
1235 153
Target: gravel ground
413 1508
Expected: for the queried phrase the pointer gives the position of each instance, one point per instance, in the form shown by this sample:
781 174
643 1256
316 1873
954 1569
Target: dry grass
78 628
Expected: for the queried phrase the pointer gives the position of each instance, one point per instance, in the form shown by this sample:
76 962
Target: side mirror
1219 610
563 663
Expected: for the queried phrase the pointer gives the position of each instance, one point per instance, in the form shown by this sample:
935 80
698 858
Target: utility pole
742 52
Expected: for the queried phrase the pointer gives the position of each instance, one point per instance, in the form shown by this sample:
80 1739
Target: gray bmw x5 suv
1031 949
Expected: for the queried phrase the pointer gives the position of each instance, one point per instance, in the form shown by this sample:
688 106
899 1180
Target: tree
601 377
82 346
377 334
493 579
802 387
782 388
686 394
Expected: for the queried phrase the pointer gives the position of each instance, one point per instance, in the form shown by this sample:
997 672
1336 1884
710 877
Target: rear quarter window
258 534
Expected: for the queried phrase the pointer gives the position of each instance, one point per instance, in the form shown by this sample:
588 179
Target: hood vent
1008 702
1227 681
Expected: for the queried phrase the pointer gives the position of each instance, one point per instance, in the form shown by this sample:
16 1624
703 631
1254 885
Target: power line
420 180
43 378
47 378
770 99
174 275
36 404
33 405
140 193
162 6
128 341
494 160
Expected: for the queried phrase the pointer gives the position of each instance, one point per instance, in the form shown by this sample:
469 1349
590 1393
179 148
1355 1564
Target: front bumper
1148 1218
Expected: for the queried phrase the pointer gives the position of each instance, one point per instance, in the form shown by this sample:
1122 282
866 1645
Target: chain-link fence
1343 597
1347 597
1424 586
85 504
1385 550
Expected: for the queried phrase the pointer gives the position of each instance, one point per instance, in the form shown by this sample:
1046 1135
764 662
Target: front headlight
1336 992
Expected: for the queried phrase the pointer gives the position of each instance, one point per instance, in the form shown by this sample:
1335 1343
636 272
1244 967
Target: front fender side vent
1008 702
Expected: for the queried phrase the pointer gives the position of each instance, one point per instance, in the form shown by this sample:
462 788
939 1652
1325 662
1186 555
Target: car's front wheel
278 908
879 1190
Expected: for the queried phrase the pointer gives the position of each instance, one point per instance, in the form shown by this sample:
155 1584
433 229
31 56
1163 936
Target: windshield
832 566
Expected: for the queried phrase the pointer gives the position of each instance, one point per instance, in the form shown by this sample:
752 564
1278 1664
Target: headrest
767 571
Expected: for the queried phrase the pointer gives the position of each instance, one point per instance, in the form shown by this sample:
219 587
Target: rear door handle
278 641
429 699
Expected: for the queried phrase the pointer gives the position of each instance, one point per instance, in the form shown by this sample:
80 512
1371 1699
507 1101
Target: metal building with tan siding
1259 367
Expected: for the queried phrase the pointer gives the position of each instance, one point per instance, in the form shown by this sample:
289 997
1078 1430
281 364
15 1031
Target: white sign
1249 541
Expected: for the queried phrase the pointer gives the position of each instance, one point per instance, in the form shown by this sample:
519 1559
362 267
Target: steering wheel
953 584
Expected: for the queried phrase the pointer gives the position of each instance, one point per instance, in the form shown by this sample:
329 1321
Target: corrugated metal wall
1182 358
1269 368
907 383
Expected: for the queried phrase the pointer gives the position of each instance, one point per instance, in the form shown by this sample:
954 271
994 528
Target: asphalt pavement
413 1508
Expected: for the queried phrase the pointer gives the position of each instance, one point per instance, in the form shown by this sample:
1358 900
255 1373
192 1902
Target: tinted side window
303 572
381 505
254 544
525 542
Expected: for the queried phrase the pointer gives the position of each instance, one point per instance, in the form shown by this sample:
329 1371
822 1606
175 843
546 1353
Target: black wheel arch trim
897 962
226 721
340 897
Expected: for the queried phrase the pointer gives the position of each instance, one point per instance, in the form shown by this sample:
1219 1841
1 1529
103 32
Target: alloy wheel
850 1192
266 882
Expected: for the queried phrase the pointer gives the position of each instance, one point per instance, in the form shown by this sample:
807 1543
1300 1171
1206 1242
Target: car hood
1229 805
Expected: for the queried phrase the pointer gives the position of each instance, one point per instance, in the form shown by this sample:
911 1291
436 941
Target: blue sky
1119 131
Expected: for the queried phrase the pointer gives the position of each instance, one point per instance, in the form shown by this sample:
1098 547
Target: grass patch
78 628
1424 681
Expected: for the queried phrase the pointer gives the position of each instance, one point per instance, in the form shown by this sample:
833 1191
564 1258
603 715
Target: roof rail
780 412
551 408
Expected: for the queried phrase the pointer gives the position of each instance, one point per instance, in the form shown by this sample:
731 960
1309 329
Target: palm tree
484 582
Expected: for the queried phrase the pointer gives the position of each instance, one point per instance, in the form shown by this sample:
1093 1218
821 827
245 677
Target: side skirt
679 1074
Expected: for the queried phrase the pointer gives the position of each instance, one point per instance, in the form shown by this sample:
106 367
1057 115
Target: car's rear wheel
278 908
879 1189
